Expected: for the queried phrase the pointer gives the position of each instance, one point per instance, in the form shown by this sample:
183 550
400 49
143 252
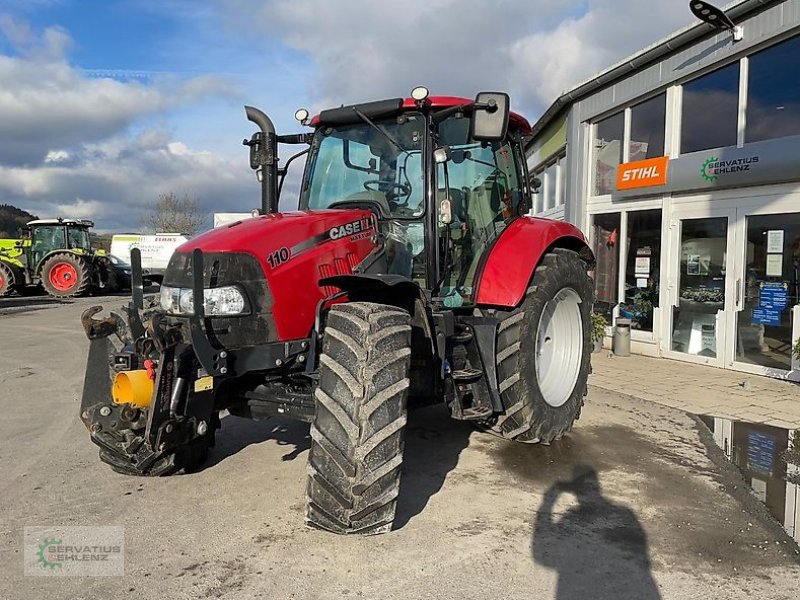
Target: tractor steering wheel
373 185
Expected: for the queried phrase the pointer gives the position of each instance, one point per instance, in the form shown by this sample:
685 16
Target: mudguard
512 259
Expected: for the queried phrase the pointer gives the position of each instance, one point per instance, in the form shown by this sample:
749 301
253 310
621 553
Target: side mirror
490 117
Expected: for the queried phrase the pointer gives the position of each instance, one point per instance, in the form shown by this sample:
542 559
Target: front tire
358 428
543 352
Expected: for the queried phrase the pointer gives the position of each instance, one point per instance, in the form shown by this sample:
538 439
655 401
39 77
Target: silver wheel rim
559 347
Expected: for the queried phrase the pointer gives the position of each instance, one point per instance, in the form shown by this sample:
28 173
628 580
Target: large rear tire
64 275
359 423
543 352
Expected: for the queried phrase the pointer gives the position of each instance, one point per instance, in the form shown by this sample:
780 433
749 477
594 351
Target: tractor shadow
433 445
238 433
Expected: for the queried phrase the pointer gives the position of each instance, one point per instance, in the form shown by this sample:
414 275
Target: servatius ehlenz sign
772 161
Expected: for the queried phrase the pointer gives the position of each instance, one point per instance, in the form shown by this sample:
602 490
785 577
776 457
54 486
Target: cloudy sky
104 104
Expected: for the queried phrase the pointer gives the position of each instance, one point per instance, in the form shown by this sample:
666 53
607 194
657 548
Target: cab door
483 186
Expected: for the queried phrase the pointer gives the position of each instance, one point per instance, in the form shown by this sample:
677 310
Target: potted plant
599 324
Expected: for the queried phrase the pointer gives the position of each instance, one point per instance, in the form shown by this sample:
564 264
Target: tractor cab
443 175
48 235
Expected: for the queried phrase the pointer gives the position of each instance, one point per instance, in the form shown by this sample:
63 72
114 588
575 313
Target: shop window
551 186
648 122
642 275
607 152
537 193
771 289
605 239
710 113
773 94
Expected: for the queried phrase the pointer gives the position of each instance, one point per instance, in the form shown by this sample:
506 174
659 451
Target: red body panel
313 254
515 255
446 101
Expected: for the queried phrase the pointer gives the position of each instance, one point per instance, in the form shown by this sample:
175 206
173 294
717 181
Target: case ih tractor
57 254
408 277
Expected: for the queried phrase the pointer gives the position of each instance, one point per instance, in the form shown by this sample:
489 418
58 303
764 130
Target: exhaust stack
264 157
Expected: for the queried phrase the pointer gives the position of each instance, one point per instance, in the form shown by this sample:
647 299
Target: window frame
697 76
669 99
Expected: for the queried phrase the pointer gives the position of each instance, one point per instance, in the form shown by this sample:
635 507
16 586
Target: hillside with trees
11 219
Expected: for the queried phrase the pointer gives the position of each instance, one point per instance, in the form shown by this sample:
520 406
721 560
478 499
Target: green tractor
56 254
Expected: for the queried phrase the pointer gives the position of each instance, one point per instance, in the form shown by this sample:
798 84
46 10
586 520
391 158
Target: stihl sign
642 173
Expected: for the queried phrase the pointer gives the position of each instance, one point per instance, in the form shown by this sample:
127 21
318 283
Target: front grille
231 268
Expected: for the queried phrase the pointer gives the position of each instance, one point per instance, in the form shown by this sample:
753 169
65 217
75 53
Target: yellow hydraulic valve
134 388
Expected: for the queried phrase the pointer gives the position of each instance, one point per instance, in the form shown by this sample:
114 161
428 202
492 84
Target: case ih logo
361 228
642 173
713 167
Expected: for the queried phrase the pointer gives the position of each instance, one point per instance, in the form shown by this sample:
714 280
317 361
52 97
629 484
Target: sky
105 104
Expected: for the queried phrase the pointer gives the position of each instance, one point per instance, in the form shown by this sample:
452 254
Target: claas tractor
409 276
56 254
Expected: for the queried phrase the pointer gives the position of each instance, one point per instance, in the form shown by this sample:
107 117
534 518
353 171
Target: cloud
532 48
103 148
46 105
580 47
115 182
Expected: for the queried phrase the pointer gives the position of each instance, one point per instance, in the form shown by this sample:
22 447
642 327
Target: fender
512 259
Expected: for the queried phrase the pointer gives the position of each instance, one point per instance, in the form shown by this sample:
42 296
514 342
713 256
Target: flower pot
598 345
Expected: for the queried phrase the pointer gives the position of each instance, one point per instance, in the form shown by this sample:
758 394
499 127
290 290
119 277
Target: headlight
221 301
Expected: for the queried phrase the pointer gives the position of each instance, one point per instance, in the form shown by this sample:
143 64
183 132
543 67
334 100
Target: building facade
682 165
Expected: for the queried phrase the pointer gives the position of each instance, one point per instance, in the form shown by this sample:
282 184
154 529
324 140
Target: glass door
767 293
700 284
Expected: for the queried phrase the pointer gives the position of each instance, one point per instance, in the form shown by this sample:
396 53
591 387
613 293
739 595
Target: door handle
738 293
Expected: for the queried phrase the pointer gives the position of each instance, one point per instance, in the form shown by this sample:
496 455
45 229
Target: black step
466 375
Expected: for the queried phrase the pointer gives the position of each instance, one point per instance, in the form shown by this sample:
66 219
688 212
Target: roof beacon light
716 17
420 93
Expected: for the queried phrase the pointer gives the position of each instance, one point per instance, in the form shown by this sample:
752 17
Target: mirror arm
283 170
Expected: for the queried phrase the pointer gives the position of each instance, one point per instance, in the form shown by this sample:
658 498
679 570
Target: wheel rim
559 347
63 277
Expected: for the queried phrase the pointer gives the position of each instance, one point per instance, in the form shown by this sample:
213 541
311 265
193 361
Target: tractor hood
278 259
298 231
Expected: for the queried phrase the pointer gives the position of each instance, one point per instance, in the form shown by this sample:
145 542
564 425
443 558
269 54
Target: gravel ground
636 503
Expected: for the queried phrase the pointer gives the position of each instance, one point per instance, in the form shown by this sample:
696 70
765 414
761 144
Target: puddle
760 453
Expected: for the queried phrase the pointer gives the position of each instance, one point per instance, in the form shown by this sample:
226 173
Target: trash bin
622 337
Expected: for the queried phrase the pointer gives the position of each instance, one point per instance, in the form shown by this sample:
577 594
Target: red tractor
409 276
